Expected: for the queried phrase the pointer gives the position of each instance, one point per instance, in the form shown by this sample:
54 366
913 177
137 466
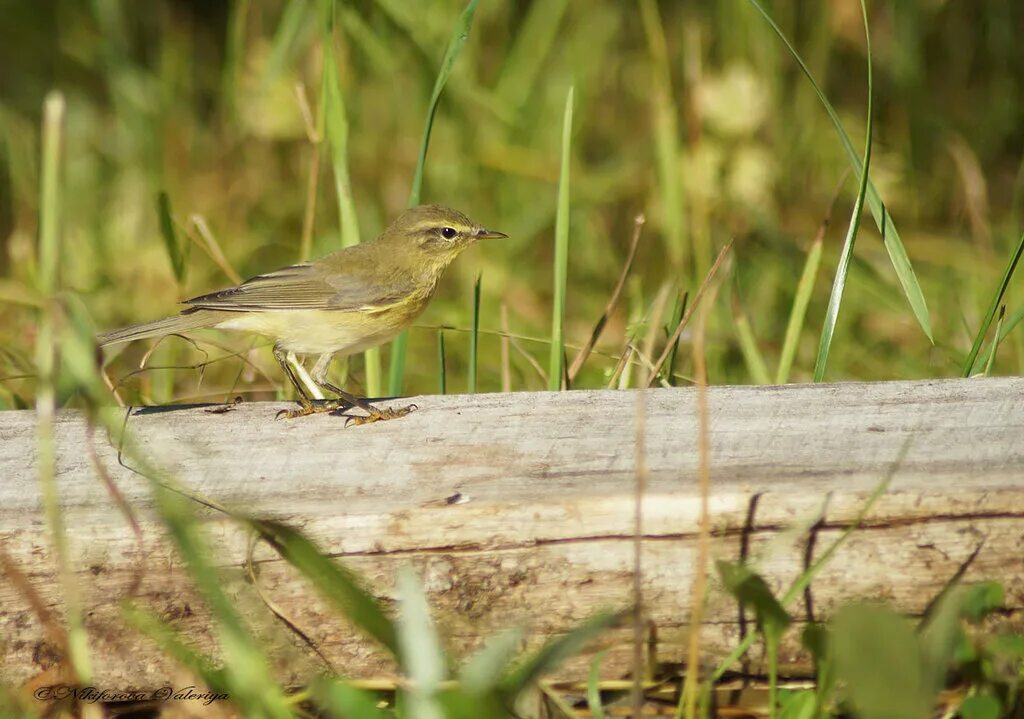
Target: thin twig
51 623
110 386
624 359
653 319
121 503
514 341
691 686
613 301
209 244
275 609
689 313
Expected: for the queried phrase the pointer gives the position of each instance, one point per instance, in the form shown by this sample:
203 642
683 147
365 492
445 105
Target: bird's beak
489 235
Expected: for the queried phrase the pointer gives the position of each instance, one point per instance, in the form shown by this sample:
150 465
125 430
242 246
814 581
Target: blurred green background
692 113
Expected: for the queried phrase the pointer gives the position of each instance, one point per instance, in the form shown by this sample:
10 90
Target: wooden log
542 529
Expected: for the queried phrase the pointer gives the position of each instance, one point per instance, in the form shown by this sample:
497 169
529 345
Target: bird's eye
448 233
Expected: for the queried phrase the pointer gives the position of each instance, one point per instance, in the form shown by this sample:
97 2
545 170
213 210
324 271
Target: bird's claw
380 415
308 409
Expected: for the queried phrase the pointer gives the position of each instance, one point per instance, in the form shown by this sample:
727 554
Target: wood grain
542 532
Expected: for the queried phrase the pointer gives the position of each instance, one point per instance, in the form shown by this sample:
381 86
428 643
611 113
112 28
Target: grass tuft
890 237
1011 267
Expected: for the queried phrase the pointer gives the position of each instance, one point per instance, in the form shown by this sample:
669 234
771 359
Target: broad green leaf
752 591
981 706
341 700
982 599
878 660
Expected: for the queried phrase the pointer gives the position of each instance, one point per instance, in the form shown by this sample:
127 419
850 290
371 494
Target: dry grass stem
613 301
691 686
199 232
689 313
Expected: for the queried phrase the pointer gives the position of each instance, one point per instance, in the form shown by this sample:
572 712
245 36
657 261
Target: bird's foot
380 415
315 407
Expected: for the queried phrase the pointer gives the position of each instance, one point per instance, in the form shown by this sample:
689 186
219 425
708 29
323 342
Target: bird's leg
306 403
319 375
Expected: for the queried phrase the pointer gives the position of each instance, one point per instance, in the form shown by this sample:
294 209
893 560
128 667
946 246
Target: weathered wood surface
545 530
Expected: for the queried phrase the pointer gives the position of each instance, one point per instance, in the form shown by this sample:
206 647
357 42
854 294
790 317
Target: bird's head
440 232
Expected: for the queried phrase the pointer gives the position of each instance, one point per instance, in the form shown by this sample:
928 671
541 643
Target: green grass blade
474 336
378 52
1015 319
484 669
752 356
455 44
554 652
338 585
396 377
666 137
839 283
677 317
442 372
47 286
993 308
995 342
336 121
422 659
175 251
234 43
172 644
891 238
556 362
284 42
798 313
593 691
533 41
396 370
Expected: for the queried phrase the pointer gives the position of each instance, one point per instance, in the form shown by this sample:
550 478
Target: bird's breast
321 331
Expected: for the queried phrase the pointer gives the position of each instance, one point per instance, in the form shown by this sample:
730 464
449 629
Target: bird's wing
304 287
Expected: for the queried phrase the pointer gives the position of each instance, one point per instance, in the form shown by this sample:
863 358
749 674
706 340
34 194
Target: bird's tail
187 320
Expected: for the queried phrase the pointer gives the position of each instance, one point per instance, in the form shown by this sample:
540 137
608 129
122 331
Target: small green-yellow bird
343 303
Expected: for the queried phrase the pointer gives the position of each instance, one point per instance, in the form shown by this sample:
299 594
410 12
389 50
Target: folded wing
305 287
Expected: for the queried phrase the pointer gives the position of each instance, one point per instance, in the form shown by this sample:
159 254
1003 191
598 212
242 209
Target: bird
340 304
